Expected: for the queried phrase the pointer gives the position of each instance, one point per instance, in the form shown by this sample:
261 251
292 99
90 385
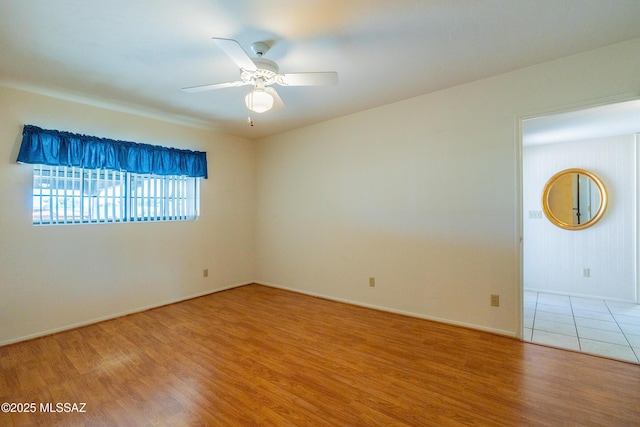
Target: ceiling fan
261 73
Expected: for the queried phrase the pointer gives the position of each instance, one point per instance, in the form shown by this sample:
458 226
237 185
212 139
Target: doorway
580 286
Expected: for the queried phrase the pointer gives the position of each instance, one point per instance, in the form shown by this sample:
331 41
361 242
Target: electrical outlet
495 300
372 282
205 272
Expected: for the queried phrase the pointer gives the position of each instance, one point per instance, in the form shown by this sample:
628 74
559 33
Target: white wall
422 194
554 258
58 276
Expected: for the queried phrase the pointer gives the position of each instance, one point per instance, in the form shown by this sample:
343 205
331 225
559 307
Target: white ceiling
135 55
620 118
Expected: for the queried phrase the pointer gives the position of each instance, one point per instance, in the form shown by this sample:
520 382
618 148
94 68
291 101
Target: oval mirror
574 199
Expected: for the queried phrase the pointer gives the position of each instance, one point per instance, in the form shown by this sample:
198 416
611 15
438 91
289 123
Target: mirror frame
603 199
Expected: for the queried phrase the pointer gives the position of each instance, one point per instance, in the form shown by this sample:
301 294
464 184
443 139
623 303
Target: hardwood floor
261 356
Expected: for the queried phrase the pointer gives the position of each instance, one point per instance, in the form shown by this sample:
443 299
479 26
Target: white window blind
69 195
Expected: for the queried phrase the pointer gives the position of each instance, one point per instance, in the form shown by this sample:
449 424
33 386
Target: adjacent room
315 213
581 290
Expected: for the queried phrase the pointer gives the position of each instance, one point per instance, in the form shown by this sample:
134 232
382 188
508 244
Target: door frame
519 244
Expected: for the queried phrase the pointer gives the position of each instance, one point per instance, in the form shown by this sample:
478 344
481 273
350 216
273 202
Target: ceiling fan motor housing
266 69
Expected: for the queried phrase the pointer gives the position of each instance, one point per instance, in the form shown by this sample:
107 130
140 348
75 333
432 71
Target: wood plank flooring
261 356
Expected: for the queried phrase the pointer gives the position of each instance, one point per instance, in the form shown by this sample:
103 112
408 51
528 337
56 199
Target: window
74 195
80 179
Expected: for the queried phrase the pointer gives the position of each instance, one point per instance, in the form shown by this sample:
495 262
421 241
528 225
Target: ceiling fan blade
234 51
278 103
308 79
214 86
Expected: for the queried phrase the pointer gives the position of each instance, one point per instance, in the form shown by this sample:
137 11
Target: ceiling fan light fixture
259 101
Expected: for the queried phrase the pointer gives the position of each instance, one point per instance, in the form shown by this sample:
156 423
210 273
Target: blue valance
58 148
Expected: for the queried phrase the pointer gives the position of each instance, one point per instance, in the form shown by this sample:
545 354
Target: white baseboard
395 311
271 285
575 294
116 315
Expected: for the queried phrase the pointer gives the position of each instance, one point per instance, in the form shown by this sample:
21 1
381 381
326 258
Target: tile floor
606 328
